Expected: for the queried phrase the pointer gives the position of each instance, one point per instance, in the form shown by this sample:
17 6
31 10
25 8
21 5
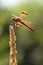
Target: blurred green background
29 44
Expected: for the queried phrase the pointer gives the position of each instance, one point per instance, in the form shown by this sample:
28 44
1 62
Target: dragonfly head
16 18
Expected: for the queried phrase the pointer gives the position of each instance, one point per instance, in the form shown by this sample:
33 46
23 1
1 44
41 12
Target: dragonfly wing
27 22
24 12
18 24
27 26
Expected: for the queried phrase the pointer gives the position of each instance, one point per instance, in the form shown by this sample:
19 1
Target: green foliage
29 44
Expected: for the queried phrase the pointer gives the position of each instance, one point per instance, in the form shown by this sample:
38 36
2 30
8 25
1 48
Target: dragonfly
19 22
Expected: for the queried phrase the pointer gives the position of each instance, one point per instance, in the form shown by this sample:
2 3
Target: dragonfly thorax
18 19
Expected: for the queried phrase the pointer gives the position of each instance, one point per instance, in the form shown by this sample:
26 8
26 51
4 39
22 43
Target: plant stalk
12 45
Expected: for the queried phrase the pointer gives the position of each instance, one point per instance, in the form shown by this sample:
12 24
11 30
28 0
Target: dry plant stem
12 44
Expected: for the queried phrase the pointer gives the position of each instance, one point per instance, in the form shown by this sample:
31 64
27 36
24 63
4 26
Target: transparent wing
18 24
27 23
23 14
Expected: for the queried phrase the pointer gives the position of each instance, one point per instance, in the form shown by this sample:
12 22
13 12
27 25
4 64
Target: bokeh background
29 44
